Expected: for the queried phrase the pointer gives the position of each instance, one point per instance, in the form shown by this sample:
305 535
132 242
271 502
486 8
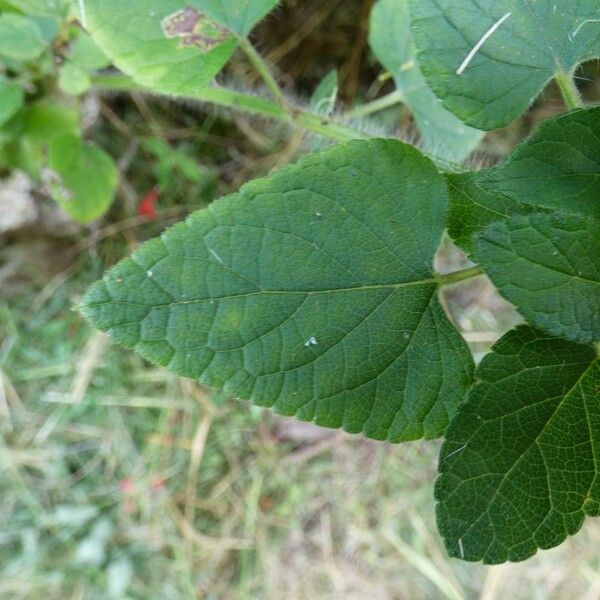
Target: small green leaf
520 467
83 179
443 134
488 60
11 99
323 99
49 28
170 47
311 292
28 135
44 122
86 55
46 8
73 80
556 168
20 37
548 266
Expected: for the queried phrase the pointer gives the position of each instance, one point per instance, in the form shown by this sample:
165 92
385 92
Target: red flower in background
147 205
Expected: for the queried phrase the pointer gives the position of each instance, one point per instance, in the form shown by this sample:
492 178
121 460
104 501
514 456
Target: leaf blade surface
520 467
312 292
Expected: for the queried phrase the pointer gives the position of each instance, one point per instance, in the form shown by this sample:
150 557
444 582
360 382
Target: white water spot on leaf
194 28
149 273
311 341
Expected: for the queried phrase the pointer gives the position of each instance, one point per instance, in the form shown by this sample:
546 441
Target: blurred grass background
120 480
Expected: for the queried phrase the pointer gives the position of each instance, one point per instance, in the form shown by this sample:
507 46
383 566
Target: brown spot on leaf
194 28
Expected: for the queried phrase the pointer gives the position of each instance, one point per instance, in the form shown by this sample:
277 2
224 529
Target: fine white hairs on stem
484 38
461 548
82 13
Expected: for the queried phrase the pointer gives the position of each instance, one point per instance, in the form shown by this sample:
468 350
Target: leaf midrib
383 286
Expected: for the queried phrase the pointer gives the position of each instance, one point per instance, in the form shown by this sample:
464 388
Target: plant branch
376 105
458 276
263 70
294 116
233 99
568 90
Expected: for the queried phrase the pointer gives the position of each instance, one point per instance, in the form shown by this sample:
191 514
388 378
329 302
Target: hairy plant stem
458 276
376 105
568 90
233 99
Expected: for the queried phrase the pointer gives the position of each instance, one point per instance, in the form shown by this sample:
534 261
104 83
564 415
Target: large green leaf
443 133
87 178
548 266
520 467
558 167
141 37
311 291
533 41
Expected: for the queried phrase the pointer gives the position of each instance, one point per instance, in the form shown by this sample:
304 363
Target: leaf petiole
568 90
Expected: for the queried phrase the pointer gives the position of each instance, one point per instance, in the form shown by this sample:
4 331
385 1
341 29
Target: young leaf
31 131
548 266
20 37
85 54
323 99
556 168
87 178
390 37
73 80
170 47
519 469
311 292
488 60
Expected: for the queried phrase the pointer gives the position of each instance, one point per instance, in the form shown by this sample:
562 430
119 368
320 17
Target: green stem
458 276
568 89
233 99
296 117
377 105
263 70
